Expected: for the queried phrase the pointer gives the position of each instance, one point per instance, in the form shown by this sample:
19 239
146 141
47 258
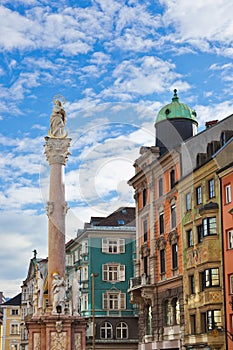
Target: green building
101 260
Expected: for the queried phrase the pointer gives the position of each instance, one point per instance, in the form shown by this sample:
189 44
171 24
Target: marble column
57 152
54 328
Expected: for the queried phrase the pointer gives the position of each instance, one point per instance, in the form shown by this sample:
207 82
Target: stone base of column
54 332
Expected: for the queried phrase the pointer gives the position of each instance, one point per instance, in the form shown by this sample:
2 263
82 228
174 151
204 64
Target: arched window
167 313
106 331
122 330
148 320
175 311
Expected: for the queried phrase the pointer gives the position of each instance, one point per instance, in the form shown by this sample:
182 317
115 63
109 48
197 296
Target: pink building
226 180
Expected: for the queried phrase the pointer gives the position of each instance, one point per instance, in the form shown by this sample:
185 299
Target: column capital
57 150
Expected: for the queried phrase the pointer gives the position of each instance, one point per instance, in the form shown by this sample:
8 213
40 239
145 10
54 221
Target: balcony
140 289
139 282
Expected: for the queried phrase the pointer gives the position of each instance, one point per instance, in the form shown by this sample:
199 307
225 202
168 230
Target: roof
15 301
124 216
175 110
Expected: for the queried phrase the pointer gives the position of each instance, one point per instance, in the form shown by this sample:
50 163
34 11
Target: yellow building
11 323
202 253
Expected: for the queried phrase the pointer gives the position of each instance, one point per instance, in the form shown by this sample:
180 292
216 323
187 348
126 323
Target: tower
175 123
54 327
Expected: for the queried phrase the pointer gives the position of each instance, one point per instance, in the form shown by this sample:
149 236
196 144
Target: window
231 285
14 347
198 195
122 330
214 319
209 226
160 187
144 197
84 273
174 256
188 201
175 311
14 328
228 194
211 188
24 333
76 255
14 311
166 313
191 284
120 222
84 247
230 239
84 302
69 260
106 331
113 246
145 265
145 230
190 238
172 178
199 233
203 322
173 216
114 301
193 324
162 261
210 278
148 320
113 272
161 223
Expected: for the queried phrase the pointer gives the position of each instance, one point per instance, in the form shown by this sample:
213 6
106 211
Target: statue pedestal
54 332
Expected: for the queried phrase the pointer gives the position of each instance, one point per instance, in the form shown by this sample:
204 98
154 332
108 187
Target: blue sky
116 63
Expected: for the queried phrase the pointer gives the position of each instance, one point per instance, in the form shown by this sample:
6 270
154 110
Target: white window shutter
105 301
122 245
105 272
104 245
121 271
122 301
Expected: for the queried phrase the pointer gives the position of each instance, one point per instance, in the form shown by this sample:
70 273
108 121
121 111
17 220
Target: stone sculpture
58 293
57 121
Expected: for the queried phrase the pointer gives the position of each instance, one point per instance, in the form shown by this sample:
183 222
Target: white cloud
213 111
14 30
143 76
25 232
194 24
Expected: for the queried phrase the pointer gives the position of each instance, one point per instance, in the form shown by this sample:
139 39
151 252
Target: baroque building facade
159 287
101 260
203 273
11 323
225 173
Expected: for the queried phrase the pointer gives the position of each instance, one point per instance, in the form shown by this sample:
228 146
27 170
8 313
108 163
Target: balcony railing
140 281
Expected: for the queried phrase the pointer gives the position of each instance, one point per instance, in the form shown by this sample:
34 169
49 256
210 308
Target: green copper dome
175 110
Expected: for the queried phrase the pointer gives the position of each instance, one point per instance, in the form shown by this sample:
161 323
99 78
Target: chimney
210 123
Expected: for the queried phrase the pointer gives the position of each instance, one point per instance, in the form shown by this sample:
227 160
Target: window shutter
121 245
105 272
122 301
121 271
104 245
105 301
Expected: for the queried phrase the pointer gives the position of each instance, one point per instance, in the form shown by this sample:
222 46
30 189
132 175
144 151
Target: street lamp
93 275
